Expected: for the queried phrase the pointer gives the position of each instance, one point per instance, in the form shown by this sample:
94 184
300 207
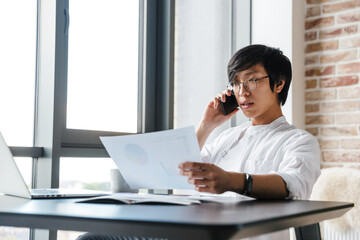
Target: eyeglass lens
235 86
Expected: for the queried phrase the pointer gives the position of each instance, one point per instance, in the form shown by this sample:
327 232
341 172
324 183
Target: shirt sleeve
206 153
300 167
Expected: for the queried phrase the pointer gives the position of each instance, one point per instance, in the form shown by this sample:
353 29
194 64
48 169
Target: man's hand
207 177
213 117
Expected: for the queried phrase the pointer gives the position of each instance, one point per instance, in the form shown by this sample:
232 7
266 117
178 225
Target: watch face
248 184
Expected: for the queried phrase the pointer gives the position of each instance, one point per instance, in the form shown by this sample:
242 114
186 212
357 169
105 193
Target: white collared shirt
275 148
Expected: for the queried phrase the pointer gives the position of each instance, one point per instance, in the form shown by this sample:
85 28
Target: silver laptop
12 183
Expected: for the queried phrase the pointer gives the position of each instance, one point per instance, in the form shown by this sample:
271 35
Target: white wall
203 47
202 51
280 23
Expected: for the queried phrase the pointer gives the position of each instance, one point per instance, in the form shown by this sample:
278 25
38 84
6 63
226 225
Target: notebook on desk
12 182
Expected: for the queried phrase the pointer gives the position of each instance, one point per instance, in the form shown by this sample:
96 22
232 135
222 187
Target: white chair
343 185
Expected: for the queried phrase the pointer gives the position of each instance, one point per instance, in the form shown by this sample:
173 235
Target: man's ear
280 86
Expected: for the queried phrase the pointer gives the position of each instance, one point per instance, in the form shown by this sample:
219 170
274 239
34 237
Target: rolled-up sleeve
300 167
206 153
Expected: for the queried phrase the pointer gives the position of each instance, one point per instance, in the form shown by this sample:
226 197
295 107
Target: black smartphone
230 105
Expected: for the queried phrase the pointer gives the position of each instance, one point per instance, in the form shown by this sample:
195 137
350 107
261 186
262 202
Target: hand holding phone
230 105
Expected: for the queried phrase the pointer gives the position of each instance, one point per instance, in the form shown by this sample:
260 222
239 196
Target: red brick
337 7
319 119
319 22
338 131
320 95
337 57
337 32
313 131
351 29
353 143
328 144
311 83
339 165
320 71
321 46
339 81
324 165
346 106
349 118
349 17
341 156
312 1
313 11
346 93
350 42
330 33
309 36
311 59
312 108
353 67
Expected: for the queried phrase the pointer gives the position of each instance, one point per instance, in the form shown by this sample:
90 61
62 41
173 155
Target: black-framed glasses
249 84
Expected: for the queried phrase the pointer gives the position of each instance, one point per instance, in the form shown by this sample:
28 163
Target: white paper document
150 161
136 198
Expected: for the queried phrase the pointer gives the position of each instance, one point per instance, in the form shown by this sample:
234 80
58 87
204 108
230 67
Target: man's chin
247 114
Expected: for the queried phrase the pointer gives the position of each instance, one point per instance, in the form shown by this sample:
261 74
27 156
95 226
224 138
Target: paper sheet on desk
150 161
133 198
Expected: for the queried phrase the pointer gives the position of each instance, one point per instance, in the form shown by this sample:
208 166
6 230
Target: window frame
155 69
156 82
75 139
155 93
156 85
241 36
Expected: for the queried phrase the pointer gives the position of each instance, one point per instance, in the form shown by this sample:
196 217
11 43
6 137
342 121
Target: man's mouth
246 105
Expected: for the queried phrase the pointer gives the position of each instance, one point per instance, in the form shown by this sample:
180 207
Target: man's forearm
267 186
202 133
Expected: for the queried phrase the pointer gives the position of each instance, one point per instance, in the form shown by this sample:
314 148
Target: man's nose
243 91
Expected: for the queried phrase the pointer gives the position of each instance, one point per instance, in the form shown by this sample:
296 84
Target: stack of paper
133 198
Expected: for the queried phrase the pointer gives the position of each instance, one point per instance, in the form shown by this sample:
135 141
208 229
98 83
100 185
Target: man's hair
275 63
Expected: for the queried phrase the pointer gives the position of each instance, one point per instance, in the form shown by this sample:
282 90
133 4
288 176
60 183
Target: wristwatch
248 184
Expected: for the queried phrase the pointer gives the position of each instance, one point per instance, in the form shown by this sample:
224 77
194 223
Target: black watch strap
248 184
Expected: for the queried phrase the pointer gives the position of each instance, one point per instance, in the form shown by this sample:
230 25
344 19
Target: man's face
261 104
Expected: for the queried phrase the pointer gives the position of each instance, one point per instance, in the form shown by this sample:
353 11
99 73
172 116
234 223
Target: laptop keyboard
44 191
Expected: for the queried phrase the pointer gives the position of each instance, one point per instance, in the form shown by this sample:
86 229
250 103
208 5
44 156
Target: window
79 72
17 79
17 75
95 173
103 65
103 86
118 71
25 166
14 233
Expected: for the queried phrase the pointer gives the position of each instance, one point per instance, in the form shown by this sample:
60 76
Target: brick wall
332 70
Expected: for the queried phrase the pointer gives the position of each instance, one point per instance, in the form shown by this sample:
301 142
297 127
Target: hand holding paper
208 177
150 161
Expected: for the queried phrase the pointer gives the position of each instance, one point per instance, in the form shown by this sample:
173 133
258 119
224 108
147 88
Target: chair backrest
343 185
